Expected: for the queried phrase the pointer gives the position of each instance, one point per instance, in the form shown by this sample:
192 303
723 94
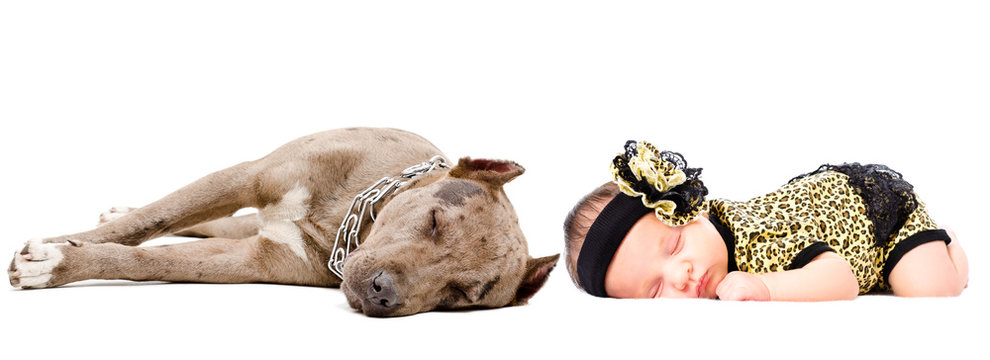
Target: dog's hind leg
213 260
234 227
215 196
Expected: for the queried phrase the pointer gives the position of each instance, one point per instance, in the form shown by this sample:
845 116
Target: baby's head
646 234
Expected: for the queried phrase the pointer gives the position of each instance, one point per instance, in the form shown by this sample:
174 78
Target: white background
106 103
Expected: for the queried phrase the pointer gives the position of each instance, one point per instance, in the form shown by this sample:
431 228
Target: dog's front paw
114 213
32 267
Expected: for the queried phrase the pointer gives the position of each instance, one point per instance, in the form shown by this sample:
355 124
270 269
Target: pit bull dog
447 238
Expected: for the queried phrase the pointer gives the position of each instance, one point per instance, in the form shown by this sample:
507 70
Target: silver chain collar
350 227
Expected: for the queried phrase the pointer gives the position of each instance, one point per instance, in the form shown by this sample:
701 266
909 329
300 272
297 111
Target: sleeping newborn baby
831 234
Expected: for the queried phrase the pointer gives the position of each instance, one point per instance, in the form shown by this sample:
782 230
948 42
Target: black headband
603 239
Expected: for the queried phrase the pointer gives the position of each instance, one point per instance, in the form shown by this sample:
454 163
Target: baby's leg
930 270
958 257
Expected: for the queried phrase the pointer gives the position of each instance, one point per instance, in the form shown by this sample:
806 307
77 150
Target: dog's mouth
352 300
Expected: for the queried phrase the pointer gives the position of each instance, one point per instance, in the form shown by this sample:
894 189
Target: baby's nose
681 275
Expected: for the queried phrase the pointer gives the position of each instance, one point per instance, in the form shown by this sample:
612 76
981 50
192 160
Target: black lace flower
662 180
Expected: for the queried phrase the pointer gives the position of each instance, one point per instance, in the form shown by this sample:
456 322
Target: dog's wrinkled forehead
454 193
478 180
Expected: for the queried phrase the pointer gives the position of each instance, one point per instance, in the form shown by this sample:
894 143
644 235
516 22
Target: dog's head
454 243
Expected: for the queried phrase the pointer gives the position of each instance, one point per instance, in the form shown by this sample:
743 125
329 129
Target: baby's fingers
742 286
732 294
728 291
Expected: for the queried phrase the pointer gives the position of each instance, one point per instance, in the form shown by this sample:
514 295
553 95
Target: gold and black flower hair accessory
662 180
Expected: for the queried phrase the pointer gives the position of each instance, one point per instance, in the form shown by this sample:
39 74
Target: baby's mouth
702 282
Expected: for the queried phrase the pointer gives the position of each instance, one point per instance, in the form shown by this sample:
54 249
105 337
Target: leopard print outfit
822 212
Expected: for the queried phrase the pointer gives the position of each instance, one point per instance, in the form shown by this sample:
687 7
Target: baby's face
656 260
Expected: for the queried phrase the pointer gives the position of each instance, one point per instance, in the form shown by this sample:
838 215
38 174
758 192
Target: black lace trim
688 196
889 199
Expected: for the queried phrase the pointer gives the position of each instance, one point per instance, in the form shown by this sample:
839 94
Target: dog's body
447 239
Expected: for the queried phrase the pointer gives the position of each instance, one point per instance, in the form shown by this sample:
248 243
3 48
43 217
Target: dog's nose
382 293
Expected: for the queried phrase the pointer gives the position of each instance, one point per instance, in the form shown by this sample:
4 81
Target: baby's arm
827 277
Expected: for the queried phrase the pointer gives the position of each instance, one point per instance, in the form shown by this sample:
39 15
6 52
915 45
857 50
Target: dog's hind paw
32 266
114 213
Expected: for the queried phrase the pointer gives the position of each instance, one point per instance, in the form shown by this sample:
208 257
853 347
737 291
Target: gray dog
442 237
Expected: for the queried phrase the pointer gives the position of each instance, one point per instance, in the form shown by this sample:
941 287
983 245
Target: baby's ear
537 272
495 172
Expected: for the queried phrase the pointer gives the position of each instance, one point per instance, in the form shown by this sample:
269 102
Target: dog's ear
495 172
537 271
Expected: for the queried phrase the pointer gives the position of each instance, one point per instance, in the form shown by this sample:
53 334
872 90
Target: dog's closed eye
434 225
455 293
459 291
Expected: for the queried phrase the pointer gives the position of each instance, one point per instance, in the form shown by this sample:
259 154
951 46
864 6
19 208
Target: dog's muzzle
375 296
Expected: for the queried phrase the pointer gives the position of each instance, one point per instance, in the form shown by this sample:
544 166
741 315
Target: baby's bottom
931 269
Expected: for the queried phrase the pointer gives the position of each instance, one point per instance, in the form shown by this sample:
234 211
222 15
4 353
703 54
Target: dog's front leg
214 260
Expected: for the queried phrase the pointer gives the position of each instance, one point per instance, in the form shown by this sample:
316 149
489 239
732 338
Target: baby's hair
579 220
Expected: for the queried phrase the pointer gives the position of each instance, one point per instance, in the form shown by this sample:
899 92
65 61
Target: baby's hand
739 285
